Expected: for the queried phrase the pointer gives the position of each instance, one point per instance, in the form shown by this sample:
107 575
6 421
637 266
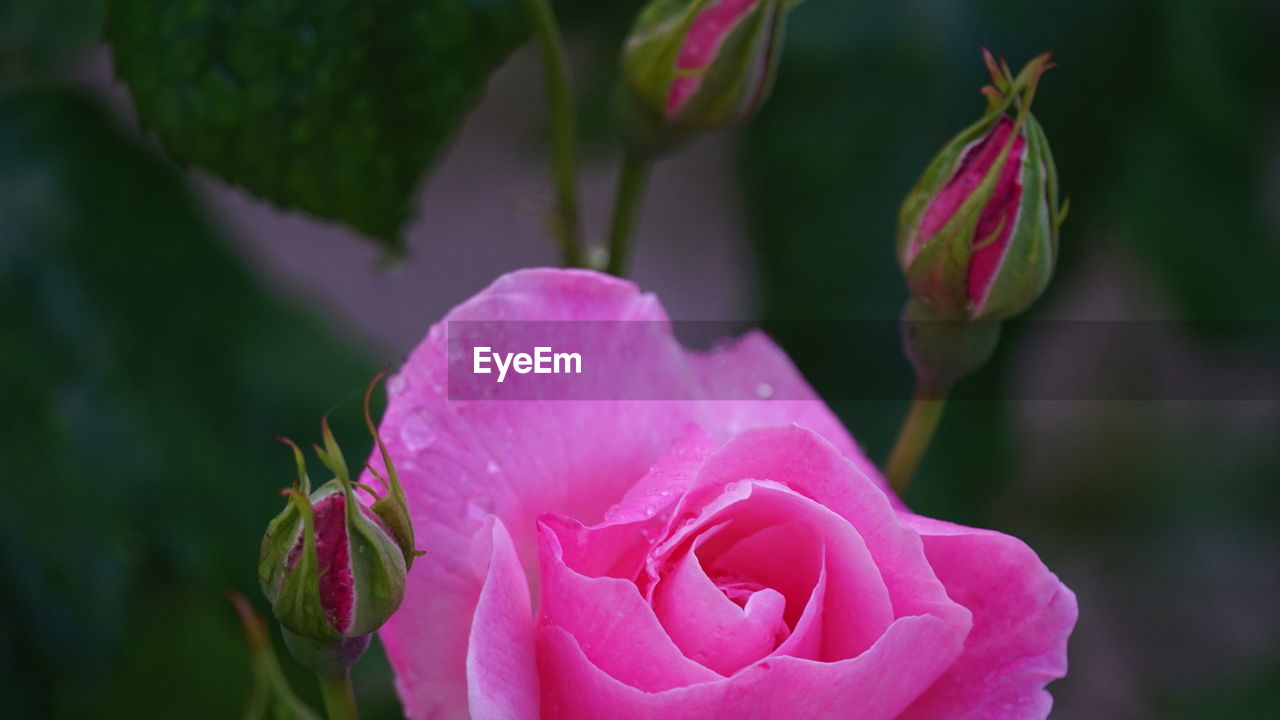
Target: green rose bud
978 235
694 65
332 567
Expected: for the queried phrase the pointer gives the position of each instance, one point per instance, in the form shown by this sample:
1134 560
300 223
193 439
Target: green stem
631 185
914 436
564 167
339 697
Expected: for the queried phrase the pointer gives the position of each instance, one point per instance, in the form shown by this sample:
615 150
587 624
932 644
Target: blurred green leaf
38 36
1191 193
146 375
336 107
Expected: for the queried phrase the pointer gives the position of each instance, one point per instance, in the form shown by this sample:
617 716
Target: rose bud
702 64
978 235
332 567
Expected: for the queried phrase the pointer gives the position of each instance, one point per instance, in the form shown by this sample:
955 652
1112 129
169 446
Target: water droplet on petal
492 468
649 510
418 430
764 391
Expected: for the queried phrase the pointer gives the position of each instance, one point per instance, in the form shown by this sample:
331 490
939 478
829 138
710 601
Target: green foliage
146 375
335 107
39 36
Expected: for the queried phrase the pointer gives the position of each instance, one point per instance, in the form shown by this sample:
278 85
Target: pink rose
689 558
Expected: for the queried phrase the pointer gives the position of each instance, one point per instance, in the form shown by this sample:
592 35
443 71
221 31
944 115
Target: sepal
270 697
392 507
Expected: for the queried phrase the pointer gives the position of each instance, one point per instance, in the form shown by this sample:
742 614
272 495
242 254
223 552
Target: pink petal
667 480
1022 616
876 685
502 676
806 639
809 465
614 624
1000 212
705 36
999 218
461 461
709 627
783 540
333 560
975 162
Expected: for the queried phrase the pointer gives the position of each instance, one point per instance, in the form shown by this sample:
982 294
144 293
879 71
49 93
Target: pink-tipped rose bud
332 567
978 235
703 64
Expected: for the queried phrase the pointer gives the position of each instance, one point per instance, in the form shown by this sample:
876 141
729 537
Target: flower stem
339 697
565 224
631 185
915 434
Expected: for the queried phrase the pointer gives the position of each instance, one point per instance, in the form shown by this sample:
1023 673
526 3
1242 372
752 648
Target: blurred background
160 324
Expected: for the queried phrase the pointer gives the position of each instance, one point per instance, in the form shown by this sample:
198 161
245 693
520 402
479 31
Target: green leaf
335 107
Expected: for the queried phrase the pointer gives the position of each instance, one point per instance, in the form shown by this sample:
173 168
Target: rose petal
614 624
710 628
706 34
755 529
502 676
809 465
461 461
876 685
667 480
806 639
1022 616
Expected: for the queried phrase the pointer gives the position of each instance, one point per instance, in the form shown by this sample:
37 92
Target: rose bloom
688 558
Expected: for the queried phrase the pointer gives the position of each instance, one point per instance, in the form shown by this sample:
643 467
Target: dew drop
418 430
649 510
764 391
492 468
730 487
